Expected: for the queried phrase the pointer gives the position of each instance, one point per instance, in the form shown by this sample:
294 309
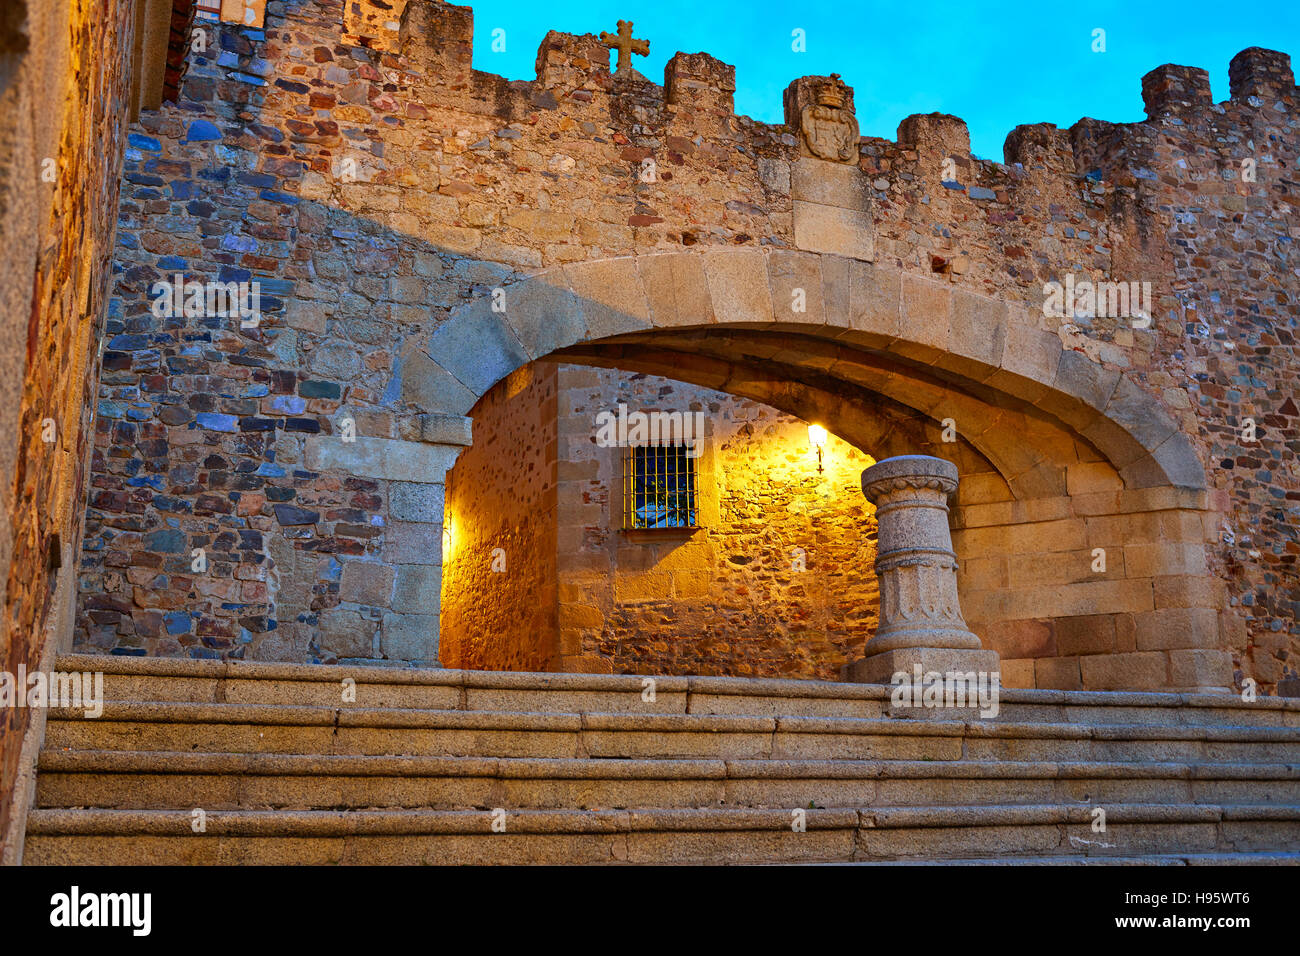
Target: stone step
226 781
133 678
1155 859
241 728
244 837
592 768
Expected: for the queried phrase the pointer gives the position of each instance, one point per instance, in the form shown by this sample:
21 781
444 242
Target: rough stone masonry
379 189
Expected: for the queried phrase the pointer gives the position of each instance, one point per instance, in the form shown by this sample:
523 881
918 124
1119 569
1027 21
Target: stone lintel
382 458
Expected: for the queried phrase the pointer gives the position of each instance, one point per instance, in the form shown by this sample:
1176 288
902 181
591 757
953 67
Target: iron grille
658 487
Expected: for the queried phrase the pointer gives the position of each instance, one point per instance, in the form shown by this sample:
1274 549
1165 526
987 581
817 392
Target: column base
881 668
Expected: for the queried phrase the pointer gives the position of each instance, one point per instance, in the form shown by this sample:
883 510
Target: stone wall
539 575
499 559
65 87
373 181
1221 180
253 495
776 582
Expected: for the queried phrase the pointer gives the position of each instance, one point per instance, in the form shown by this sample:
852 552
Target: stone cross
626 46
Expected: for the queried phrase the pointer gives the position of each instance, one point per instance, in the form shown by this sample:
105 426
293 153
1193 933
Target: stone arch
1017 394
1080 459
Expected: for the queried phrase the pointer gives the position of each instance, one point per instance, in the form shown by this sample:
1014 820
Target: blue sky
994 65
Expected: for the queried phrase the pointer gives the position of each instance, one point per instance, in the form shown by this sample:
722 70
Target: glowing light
817 438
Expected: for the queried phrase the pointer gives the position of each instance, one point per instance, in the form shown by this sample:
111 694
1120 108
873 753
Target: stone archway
942 345
1083 561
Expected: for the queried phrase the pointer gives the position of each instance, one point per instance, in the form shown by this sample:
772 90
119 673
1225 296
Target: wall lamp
817 438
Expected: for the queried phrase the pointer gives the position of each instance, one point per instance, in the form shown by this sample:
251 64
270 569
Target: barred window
658 487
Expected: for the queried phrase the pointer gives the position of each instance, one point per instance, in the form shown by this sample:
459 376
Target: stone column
920 616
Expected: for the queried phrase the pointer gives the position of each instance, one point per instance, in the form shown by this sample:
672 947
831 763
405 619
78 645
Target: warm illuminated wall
498 586
776 581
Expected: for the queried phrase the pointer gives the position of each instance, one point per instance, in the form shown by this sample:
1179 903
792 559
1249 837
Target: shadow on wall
220 523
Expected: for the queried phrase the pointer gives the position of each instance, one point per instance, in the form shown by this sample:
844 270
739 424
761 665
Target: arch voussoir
424 384
565 313
875 305
739 285
954 348
478 346
676 289
795 279
611 297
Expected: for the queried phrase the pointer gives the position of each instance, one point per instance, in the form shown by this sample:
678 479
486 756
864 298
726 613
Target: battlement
1176 90
700 80
1260 73
436 40
438 36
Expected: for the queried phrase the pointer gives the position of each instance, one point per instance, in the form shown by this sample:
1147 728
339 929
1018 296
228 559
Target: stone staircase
247 763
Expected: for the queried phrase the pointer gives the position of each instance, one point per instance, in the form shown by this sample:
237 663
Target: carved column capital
915 472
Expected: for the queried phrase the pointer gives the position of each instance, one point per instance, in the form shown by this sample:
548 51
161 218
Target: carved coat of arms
829 130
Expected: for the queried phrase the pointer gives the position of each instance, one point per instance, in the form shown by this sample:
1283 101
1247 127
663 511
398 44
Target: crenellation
1100 150
935 136
1265 74
1171 90
437 36
573 65
698 93
701 82
1041 148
